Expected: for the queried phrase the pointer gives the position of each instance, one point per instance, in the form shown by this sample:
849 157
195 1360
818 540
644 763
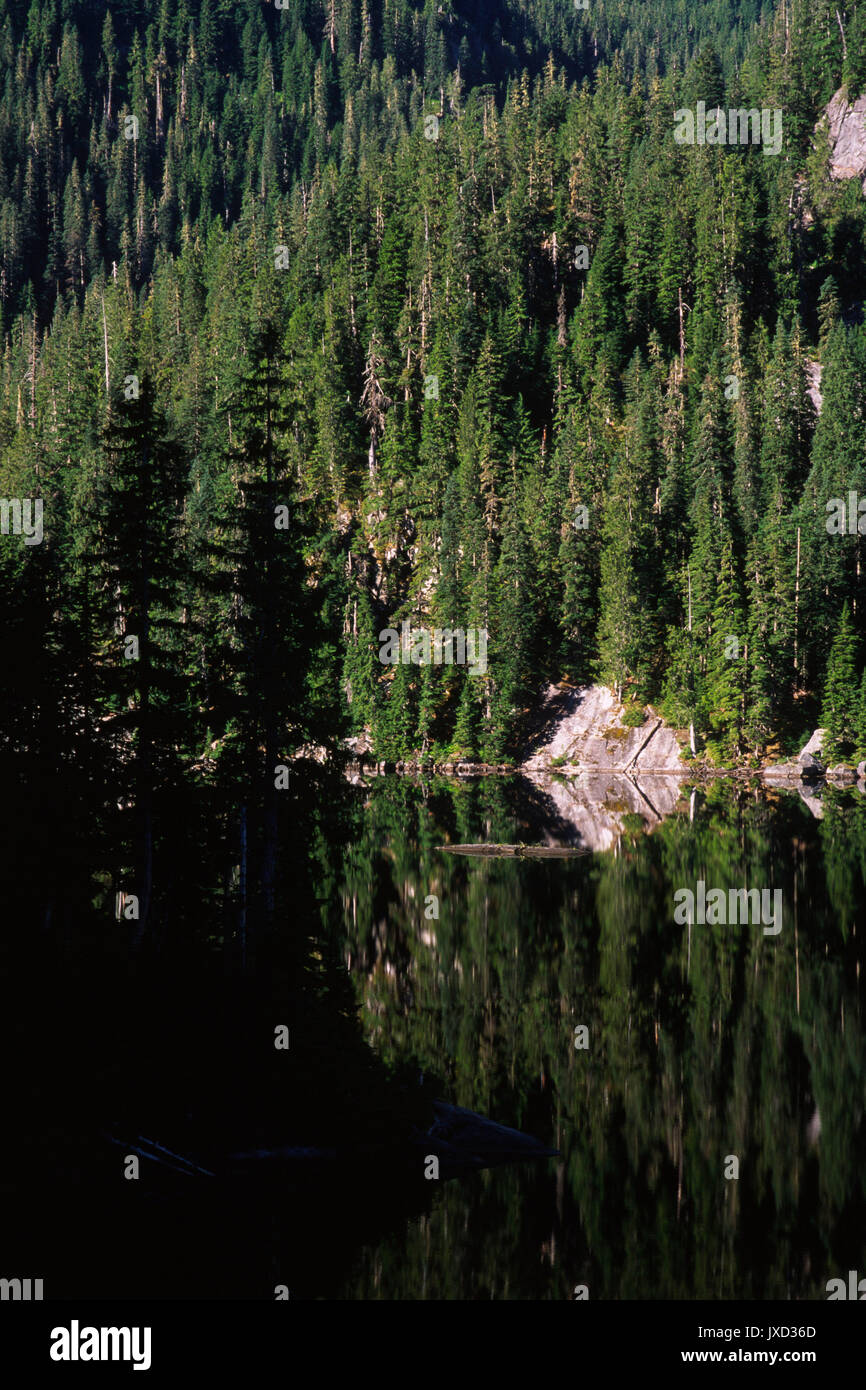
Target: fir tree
840 709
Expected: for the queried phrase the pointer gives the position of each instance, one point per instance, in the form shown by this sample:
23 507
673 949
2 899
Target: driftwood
462 1141
157 1153
516 851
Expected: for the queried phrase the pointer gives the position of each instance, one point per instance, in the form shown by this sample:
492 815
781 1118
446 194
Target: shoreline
769 775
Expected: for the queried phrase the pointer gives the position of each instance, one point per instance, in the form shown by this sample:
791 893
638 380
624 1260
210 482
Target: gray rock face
847 127
861 772
590 770
808 766
842 774
813 390
582 730
787 772
360 744
810 755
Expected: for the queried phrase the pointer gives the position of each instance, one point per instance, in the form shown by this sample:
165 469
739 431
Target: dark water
703 1043
706 1044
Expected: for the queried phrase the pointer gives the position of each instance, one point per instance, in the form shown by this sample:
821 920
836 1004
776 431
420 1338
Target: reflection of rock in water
813 802
589 810
806 792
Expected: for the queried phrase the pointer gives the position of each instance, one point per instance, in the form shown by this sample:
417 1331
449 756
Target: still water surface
711 1049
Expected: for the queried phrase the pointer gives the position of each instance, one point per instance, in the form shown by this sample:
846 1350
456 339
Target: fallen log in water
461 1141
533 851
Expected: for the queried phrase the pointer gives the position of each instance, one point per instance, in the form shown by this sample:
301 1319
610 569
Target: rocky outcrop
581 730
808 774
807 766
590 771
811 753
847 130
792 773
842 775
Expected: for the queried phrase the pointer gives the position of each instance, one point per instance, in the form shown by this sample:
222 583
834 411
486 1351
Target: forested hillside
324 319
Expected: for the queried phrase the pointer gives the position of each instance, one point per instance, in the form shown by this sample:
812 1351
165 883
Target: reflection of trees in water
704 1042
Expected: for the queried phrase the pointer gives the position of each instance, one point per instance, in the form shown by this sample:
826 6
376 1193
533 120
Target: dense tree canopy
326 319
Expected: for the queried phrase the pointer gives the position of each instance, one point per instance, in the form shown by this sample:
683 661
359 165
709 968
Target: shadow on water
258 1164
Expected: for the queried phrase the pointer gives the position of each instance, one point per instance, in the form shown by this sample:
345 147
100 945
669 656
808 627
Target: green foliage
840 710
633 717
543 374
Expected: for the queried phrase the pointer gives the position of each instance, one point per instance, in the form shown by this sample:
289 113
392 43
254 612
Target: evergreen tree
726 664
132 525
840 710
361 668
861 718
631 590
450 399
514 625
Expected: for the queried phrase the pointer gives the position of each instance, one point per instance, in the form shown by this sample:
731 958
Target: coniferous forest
336 317
530 366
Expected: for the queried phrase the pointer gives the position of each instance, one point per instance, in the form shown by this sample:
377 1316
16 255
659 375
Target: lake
703 1081
704 1043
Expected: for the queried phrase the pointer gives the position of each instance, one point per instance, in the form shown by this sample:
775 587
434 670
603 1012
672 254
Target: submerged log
517 851
465 1142
462 1142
